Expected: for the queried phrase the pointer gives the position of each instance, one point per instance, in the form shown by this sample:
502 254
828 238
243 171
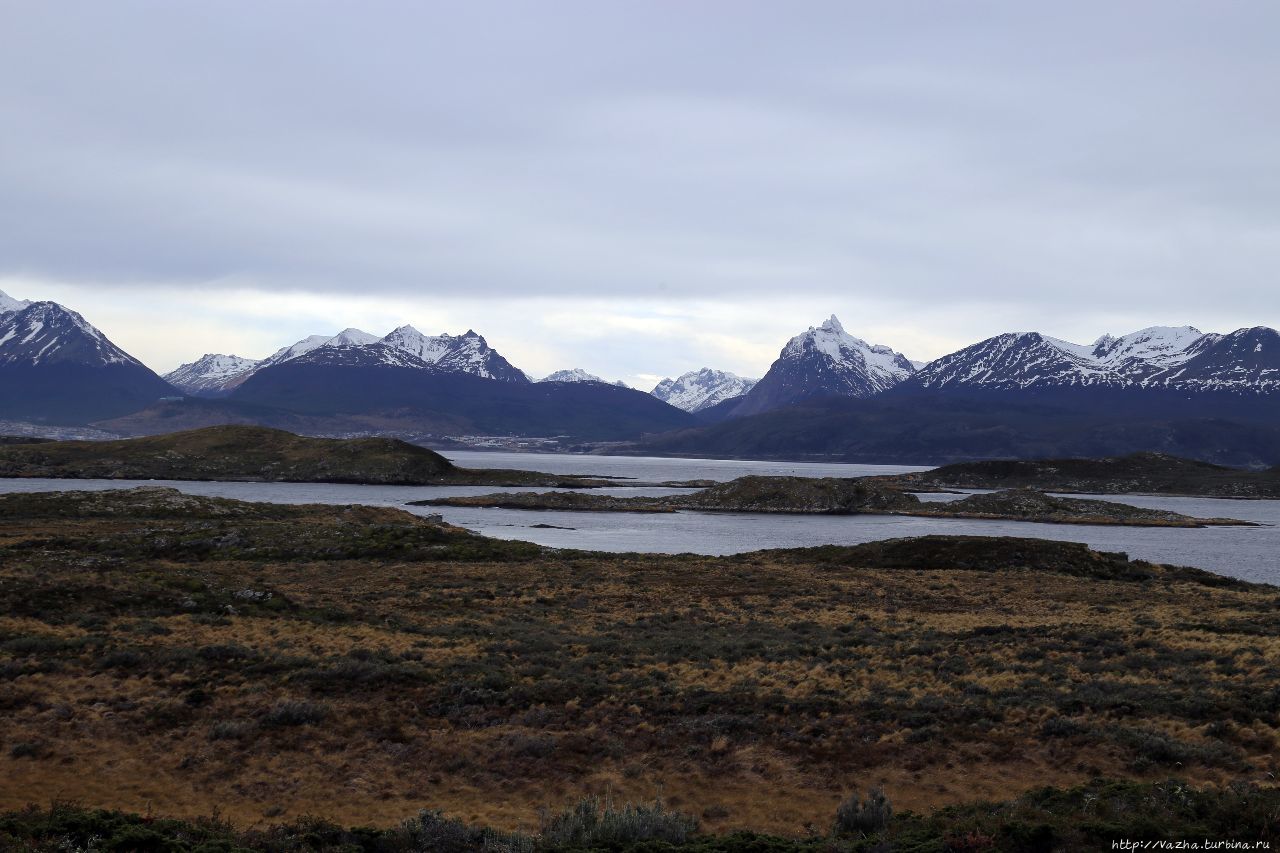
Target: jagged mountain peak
702 389
465 353
826 361
831 339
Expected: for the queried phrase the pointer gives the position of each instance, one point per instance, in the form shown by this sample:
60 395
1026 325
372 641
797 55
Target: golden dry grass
753 691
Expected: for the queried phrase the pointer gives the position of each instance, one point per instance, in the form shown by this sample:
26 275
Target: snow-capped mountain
576 374
346 338
47 333
57 368
403 347
825 361
212 374
465 353
701 389
1245 361
8 304
1160 356
1018 361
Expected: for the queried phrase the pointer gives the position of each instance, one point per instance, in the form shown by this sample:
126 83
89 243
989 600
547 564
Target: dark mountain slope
57 368
1247 361
936 428
469 404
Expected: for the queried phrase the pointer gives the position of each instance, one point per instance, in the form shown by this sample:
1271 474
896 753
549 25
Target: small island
840 496
1137 473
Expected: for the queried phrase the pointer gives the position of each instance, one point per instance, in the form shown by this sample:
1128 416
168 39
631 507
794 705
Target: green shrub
596 822
855 817
431 830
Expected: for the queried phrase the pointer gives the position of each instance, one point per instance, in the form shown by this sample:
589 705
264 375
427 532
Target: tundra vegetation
298 671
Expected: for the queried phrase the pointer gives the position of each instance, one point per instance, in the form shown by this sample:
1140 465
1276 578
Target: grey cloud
1036 155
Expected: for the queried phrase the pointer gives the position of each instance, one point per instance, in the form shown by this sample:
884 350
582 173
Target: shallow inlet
1249 553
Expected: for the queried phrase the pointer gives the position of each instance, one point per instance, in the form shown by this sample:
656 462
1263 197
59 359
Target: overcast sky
640 188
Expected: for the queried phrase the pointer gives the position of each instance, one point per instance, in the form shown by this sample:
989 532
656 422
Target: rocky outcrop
819 495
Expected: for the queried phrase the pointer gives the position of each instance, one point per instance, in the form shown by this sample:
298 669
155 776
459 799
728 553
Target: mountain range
1181 359
828 392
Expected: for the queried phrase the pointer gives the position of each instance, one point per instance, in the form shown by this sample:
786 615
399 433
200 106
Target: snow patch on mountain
351 338
8 304
1155 348
302 347
576 374
376 354
701 389
212 373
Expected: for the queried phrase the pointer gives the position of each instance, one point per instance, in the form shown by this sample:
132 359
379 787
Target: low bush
295 714
596 822
232 730
857 817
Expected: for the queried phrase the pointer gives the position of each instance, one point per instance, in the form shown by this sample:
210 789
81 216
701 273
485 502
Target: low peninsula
237 453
